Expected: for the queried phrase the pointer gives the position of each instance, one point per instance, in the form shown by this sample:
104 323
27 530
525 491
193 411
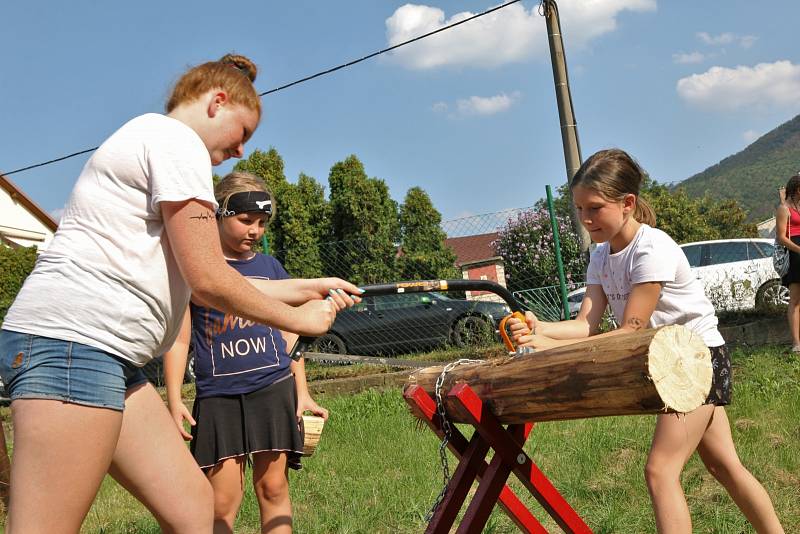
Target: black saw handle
420 286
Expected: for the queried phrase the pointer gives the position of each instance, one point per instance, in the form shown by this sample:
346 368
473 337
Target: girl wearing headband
137 236
249 394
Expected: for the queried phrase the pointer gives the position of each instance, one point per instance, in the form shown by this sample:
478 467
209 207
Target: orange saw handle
504 333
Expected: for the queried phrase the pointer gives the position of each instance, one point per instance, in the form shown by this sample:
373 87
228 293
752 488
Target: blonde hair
233 73
613 174
241 182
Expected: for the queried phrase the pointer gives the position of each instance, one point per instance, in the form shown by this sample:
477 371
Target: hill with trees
752 176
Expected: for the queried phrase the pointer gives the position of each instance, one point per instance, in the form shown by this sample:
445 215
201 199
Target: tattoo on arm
635 323
203 216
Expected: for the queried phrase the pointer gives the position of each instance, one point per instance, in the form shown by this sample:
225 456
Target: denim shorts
37 367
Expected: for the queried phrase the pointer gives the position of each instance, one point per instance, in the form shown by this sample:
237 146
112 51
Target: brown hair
241 182
233 73
613 174
792 192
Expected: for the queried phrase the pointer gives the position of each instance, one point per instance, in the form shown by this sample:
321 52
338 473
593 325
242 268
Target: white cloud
491 105
745 41
57 213
750 135
715 40
767 85
691 57
509 35
440 107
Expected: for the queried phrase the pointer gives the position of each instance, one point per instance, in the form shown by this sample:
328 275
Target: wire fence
515 249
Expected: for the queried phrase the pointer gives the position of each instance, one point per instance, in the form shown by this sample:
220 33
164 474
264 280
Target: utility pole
566 115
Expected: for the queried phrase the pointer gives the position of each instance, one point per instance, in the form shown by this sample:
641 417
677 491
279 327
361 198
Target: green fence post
265 243
559 263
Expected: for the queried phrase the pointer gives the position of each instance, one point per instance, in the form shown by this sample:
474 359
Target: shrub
15 265
528 250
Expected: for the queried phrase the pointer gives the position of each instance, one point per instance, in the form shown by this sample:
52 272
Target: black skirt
793 275
721 382
240 425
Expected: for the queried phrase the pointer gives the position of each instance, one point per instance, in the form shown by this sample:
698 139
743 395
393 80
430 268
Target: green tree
312 194
364 224
677 214
424 254
688 219
15 266
304 222
728 217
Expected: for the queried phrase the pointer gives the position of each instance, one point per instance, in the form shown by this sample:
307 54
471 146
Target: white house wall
20 226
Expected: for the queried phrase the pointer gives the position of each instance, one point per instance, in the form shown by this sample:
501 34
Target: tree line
358 232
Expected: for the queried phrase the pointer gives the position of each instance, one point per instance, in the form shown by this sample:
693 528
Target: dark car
407 322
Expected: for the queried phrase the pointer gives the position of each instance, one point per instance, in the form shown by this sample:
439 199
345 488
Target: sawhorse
508 457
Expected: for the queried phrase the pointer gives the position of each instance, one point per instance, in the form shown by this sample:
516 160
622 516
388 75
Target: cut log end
312 431
679 365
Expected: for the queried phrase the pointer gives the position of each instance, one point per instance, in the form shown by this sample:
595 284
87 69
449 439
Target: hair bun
247 67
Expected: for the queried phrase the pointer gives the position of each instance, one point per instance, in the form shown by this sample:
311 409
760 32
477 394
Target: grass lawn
375 471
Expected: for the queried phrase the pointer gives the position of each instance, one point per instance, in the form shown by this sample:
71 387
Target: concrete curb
767 331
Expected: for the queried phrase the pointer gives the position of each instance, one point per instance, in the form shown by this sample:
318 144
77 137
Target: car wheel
772 295
188 375
329 344
471 331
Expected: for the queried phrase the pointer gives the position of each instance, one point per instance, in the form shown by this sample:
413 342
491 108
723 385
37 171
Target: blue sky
469 115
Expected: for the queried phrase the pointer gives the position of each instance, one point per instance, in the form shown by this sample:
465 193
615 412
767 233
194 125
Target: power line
379 52
302 80
62 158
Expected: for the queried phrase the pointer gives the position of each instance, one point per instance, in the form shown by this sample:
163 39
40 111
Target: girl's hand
180 413
519 329
341 299
315 317
329 286
538 342
306 403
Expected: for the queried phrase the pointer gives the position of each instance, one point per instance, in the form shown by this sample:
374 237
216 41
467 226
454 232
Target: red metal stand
508 458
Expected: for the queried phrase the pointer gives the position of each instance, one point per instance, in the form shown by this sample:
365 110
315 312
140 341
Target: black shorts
240 425
721 383
792 276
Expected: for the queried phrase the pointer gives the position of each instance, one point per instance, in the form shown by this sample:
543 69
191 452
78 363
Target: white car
737 274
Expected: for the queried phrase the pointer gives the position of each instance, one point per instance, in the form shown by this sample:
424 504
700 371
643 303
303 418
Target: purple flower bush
527 247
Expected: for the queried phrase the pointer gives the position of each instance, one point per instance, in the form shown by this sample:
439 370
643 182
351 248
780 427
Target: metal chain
447 430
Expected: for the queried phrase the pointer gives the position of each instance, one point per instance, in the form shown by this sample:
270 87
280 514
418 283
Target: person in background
787 233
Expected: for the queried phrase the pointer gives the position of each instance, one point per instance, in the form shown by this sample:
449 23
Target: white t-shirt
109 278
652 256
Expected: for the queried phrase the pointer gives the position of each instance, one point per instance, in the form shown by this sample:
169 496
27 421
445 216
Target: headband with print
244 202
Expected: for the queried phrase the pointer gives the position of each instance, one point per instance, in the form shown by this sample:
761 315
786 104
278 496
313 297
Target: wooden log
650 371
312 431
